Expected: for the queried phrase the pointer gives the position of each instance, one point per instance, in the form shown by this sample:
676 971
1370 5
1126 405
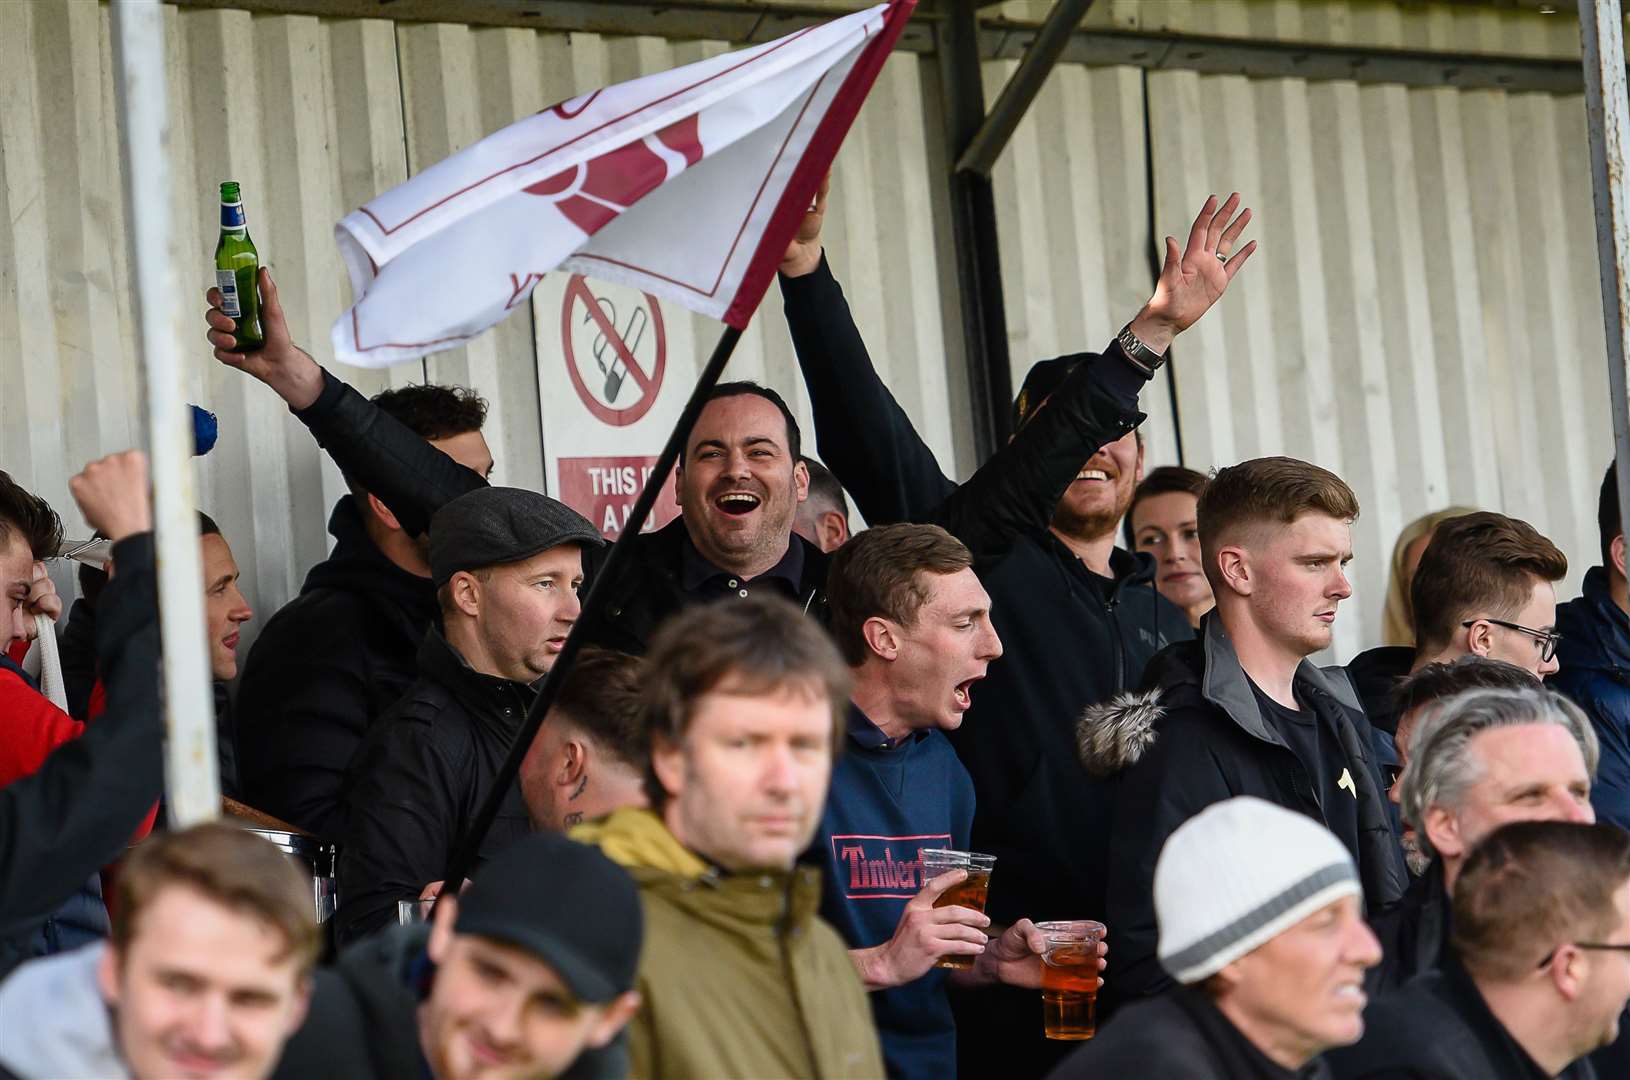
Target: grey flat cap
495 525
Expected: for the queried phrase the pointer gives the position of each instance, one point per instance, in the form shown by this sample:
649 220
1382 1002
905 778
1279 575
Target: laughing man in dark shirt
740 481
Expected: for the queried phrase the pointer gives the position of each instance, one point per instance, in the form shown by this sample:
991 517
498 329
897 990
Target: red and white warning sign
611 384
603 489
615 358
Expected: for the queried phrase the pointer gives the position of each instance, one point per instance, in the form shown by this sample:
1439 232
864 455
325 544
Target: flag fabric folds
686 184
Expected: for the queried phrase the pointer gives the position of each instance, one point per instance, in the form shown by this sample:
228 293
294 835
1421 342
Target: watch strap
1141 356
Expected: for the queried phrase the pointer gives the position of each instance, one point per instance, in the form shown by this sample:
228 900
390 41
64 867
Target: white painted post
192 785
1607 113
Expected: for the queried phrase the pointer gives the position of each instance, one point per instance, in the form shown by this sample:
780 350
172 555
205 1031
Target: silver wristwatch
1142 357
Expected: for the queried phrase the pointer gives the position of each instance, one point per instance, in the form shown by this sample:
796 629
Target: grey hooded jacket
1194 736
54 1023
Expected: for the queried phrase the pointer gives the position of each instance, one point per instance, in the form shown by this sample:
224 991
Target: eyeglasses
1548 639
1600 946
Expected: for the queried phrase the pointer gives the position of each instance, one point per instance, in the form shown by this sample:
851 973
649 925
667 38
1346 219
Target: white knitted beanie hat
1238 874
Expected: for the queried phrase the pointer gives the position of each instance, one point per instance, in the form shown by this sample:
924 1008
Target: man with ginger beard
740 481
1079 617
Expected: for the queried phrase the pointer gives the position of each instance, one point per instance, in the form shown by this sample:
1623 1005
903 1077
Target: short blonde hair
1270 490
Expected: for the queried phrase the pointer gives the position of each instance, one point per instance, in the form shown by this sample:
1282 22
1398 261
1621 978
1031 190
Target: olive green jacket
740 978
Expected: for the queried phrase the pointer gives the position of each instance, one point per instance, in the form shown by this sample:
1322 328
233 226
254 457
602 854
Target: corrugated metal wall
314 116
1423 316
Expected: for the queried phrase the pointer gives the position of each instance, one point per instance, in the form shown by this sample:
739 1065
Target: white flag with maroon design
686 184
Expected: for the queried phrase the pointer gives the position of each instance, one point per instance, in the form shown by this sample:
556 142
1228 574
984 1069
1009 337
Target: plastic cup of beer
1069 978
412 912
969 893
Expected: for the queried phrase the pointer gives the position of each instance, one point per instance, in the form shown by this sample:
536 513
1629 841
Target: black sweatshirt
326 666
1071 637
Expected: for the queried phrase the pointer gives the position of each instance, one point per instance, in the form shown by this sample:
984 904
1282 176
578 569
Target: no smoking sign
616 349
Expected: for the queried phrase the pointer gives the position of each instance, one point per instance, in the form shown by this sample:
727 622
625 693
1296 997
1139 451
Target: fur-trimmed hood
1114 734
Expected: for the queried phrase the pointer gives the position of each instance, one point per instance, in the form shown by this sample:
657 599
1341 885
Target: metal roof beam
751 21
1023 86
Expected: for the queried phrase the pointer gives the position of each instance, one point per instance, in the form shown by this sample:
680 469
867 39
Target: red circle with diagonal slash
649 383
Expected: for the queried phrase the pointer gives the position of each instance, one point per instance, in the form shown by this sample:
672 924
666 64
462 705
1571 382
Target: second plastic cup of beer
410 912
969 893
1069 978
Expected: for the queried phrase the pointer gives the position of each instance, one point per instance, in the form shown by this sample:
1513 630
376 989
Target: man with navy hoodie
913 623
1595 658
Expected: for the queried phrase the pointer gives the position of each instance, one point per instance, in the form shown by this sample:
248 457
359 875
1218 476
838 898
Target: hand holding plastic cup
1069 978
969 893
412 912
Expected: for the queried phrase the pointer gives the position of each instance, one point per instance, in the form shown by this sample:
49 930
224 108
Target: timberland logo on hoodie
883 867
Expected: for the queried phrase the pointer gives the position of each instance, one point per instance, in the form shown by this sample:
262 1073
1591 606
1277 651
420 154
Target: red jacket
31 726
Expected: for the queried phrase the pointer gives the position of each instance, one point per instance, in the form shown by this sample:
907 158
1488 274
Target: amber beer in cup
969 893
1069 978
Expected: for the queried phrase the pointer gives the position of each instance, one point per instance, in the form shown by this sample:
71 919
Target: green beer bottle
237 265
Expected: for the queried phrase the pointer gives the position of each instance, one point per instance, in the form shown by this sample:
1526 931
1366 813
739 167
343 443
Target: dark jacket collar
357 565
1375 674
1595 633
483 695
1125 567
1503 1050
7 664
868 736
1225 684
1238 1057
1432 914
663 552
695 570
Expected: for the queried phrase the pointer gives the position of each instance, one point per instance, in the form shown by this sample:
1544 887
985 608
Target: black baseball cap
494 525
1040 381
566 904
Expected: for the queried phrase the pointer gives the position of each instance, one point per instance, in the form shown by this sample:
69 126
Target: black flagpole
459 867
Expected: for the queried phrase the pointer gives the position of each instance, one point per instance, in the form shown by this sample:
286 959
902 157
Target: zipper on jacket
1110 607
784 932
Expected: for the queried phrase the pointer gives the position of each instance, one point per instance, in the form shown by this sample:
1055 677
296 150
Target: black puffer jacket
1197 737
417 781
415 479
326 666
